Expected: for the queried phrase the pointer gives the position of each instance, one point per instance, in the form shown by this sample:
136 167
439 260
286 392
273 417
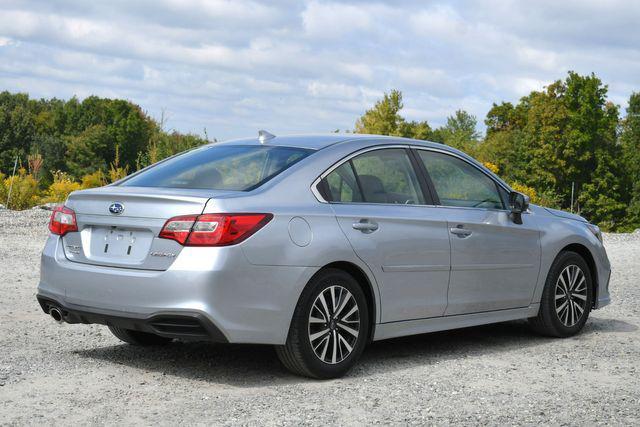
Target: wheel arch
367 287
586 254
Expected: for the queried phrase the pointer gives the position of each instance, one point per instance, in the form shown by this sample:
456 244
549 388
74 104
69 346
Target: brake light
213 229
63 221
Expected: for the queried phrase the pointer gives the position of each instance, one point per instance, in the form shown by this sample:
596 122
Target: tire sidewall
565 259
318 284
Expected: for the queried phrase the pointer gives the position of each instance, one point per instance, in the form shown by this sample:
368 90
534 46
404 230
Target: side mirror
518 203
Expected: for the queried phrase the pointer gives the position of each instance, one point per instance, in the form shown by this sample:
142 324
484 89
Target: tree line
65 145
566 145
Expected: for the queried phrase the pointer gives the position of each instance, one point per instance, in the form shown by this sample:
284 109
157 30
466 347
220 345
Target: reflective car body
423 265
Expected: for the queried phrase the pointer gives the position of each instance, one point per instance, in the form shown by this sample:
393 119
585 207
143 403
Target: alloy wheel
334 324
571 295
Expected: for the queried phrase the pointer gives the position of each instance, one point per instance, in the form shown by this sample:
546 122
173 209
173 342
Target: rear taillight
63 220
213 229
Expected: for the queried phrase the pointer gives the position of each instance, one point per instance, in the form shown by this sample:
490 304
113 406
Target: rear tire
138 338
329 329
566 299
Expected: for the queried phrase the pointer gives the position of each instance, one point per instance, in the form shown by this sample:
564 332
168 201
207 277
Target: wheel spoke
561 279
345 343
580 296
348 329
335 347
578 308
323 301
346 316
566 315
316 320
325 348
332 291
344 302
317 335
573 314
574 275
559 309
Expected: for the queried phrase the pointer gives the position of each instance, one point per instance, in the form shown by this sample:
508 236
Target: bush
93 180
492 167
547 199
24 192
59 190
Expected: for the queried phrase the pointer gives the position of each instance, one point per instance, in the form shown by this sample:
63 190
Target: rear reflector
63 221
213 229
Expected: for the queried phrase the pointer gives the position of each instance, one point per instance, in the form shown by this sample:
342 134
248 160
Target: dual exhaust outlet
56 314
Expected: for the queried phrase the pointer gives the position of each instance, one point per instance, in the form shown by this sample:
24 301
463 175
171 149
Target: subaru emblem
116 208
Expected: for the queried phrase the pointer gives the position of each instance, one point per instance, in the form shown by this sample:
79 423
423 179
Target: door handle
460 232
365 226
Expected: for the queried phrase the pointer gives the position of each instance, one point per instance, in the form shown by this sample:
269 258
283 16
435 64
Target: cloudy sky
236 66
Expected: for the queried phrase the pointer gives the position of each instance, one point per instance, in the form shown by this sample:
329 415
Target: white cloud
234 65
334 20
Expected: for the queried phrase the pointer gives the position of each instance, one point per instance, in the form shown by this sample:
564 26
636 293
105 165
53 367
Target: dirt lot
64 374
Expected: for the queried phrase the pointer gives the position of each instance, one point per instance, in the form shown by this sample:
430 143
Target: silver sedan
317 245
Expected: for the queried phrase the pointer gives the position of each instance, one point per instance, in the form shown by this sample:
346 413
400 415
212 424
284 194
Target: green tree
88 152
17 130
53 150
565 135
460 132
163 145
385 119
630 145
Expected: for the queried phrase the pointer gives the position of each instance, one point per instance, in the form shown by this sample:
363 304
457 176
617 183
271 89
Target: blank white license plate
120 243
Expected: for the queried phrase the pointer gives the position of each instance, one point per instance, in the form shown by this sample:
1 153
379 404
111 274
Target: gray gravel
497 374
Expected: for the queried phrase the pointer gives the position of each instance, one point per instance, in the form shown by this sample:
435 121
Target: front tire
329 329
567 297
138 338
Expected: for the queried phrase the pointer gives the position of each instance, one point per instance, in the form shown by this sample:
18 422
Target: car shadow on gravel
402 353
256 365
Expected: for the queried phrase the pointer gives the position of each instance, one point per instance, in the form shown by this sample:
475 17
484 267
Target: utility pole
15 164
573 187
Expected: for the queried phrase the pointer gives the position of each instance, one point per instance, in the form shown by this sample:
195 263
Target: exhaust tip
56 314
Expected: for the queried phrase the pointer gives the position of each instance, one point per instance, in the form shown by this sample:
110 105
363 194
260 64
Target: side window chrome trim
496 182
316 193
314 185
452 154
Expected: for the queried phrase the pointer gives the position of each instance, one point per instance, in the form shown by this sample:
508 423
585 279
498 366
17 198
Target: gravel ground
497 374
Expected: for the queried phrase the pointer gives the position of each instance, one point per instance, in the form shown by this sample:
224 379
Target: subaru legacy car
317 245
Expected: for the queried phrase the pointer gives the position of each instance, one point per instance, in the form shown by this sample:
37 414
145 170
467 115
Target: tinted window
460 184
342 184
380 176
223 167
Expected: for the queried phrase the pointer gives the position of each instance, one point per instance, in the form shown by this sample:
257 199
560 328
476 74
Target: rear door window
380 176
343 186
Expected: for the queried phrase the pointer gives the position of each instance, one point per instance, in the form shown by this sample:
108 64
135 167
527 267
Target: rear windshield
223 167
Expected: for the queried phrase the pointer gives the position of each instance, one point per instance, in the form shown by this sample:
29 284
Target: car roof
320 141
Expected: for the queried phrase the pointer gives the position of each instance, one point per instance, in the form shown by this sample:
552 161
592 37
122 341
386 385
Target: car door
382 209
494 261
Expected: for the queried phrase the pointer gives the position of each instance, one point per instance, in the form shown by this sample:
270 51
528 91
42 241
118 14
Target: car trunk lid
129 238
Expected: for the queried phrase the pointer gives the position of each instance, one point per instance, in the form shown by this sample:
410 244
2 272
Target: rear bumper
182 325
239 301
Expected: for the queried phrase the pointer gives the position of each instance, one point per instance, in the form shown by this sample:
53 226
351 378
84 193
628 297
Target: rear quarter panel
303 232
